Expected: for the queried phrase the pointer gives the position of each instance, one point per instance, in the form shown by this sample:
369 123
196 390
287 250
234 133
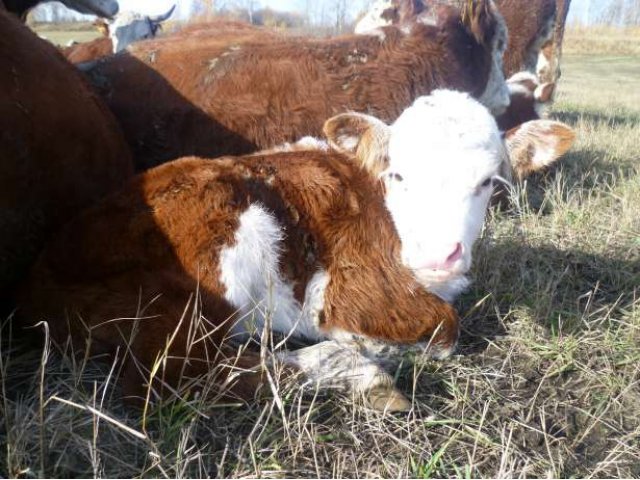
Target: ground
546 381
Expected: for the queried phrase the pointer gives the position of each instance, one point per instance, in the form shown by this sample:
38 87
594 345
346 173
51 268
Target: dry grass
602 40
546 381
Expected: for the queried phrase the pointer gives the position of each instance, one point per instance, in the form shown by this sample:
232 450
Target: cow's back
60 148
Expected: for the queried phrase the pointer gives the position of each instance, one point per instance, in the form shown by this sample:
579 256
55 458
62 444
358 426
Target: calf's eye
395 176
486 183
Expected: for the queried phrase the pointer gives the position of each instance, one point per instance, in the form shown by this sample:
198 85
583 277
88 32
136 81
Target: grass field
546 382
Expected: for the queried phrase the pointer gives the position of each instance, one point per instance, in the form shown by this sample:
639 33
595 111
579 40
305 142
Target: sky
583 11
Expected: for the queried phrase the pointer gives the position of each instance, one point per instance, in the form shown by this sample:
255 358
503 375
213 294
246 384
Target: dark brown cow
60 147
219 93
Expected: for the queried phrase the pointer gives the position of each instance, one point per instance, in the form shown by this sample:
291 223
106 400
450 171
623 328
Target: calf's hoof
387 399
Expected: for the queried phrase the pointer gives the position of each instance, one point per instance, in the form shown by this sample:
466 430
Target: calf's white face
439 162
445 153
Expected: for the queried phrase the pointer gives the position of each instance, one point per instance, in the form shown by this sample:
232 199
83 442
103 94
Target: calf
102 8
340 245
528 97
224 93
126 28
60 147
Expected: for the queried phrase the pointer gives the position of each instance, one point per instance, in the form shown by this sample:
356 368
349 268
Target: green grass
546 381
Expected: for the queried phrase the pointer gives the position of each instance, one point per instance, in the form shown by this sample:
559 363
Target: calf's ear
537 144
478 18
363 136
544 93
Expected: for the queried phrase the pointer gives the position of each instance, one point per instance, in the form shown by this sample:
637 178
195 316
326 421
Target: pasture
546 380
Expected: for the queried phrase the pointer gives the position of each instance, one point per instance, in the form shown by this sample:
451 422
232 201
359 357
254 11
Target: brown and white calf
216 93
340 245
528 98
60 147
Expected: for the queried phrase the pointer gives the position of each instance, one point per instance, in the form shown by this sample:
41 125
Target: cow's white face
128 29
445 153
375 18
102 8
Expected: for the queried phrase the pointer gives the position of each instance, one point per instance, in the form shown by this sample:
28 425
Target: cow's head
439 163
101 8
130 27
528 98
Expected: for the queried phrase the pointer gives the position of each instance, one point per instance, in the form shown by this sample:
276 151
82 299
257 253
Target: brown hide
60 148
145 250
553 49
88 51
529 24
220 92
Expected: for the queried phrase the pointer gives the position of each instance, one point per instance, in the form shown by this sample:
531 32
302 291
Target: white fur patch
373 19
442 150
250 273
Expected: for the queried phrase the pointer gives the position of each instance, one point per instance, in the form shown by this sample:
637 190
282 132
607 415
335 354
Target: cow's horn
162 18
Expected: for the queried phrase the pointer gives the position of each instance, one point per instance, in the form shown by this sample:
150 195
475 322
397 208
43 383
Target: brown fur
219 92
528 23
551 137
89 51
553 49
144 251
60 148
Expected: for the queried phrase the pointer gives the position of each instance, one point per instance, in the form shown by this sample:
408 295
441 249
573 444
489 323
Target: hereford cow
126 28
535 29
60 147
324 243
102 8
528 98
220 93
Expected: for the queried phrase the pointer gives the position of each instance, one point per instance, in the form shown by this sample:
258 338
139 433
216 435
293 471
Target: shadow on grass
618 119
572 290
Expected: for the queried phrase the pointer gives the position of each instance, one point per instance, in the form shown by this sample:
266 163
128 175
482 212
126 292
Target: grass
546 381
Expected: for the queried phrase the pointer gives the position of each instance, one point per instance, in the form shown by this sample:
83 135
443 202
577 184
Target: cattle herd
187 196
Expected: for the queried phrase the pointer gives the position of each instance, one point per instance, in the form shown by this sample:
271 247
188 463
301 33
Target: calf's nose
443 258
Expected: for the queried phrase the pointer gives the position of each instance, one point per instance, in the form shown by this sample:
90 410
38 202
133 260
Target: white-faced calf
340 246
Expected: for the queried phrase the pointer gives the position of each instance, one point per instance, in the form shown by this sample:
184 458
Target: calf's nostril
455 255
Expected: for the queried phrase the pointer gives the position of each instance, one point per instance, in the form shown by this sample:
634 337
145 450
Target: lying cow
217 93
102 8
60 147
535 29
528 99
126 28
341 245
